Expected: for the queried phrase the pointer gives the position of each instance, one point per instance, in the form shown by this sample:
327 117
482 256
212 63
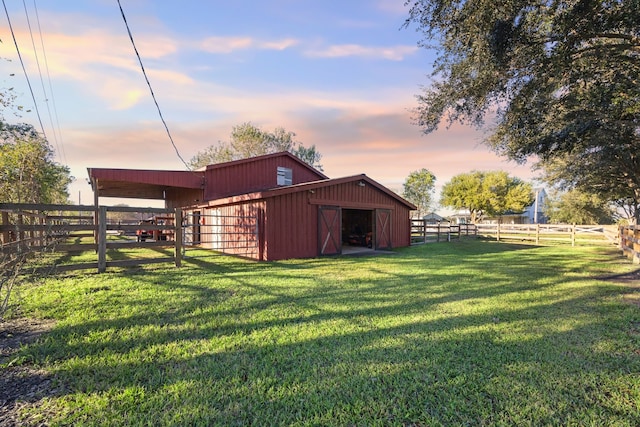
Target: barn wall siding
292 220
178 197
245 177
291 227
244 222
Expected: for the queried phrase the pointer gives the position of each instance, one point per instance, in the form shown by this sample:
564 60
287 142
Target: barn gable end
255 174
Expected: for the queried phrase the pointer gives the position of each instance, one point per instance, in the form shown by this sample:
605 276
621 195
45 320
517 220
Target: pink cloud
394 53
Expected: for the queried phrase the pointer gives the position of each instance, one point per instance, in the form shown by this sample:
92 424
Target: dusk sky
342 75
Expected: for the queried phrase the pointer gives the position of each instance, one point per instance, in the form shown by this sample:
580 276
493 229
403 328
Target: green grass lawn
467 333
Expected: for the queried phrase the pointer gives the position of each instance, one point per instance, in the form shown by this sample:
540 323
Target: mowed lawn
466 333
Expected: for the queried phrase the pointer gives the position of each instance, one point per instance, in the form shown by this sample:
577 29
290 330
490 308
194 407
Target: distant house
536 211
434 218
270 207
533 214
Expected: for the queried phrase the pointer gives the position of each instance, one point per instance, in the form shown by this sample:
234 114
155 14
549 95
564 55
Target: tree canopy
28 173
487 194
577 207
248 140
418 189
593 173
559 78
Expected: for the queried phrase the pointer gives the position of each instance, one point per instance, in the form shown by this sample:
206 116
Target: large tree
418 189
577 207
559 78
248 140
486 194
28 173
594 173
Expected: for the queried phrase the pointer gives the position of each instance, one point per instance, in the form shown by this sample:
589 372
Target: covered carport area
175 188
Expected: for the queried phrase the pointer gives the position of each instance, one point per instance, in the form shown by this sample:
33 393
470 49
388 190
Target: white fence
541 233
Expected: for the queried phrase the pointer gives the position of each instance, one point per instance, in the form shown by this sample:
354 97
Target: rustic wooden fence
630 242
423 232
541 233
30 228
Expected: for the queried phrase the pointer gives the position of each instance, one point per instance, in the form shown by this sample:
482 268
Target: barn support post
178 237
102 239
96 201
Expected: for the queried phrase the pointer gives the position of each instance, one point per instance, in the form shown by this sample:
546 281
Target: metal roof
141 183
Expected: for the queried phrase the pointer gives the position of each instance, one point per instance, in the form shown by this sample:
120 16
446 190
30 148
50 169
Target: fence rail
29 228
423 232
630 242
538 233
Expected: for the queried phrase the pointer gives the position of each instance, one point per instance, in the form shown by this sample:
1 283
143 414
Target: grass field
467 333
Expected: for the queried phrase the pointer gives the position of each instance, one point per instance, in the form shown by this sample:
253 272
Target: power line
44 91
149 84
24 69
53 98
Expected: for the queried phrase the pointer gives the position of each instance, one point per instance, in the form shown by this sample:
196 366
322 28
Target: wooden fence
70 229
630 242
541 233
423 232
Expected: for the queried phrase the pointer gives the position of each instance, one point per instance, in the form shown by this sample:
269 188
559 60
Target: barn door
329 230
383 229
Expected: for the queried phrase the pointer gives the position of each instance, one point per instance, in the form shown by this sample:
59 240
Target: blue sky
342 75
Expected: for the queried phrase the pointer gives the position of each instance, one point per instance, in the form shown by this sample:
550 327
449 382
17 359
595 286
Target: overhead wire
144 73
53 98
15 42
44 91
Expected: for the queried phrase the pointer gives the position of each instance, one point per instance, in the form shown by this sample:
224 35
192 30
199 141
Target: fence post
424 230
41 240
635 233
537 233
5 234
573 234
102 239
20 227
498 232
178 237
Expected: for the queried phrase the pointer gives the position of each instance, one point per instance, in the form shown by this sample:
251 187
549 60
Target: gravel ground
21 386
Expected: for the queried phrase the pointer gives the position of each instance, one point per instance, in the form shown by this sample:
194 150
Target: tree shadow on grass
329 344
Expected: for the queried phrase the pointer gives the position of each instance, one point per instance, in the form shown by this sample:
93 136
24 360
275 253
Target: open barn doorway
357 230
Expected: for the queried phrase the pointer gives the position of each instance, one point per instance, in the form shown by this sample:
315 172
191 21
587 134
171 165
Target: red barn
271 207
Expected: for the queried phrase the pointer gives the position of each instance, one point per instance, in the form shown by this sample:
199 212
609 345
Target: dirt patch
21 386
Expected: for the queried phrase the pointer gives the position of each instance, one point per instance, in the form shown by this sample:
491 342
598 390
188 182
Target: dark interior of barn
357 227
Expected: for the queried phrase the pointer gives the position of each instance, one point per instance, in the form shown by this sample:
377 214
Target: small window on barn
285 176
